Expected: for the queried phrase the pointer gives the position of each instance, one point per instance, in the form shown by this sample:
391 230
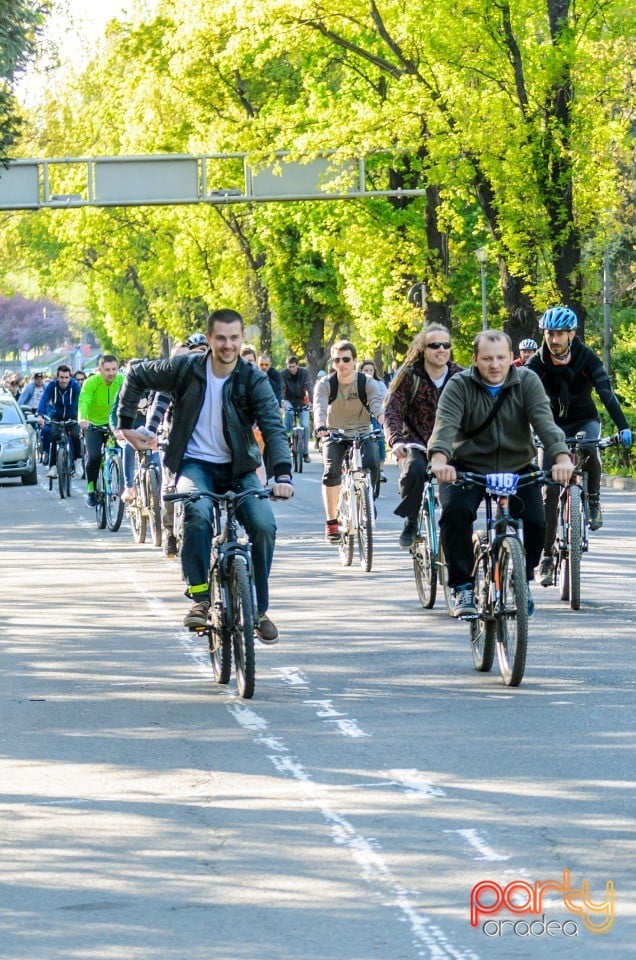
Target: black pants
411 484
459 511
333 453
94 442
55 433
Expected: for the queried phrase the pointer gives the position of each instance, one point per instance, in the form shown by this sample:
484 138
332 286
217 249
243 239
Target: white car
17 442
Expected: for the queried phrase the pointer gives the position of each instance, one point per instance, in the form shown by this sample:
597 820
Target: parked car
17 442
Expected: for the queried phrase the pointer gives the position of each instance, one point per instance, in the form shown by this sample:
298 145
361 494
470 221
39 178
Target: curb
618 483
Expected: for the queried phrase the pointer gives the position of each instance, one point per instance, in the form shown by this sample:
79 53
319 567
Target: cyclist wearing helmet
569 372
527 350
197 342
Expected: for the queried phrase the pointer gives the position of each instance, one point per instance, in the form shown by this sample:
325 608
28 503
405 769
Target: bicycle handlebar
340 436
580 440
230 497
523 479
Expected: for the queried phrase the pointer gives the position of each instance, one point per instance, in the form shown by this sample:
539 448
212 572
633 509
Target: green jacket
248 398
97 398
507 443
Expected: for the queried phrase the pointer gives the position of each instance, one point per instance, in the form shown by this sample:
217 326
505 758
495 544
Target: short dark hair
63 368
344 345
490 336
106 358
224 316
291 359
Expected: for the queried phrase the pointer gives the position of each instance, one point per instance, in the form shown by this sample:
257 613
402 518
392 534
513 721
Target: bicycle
145 510
65 456
429 564
499 571
297 439
572 522
232 617
109 509
356 515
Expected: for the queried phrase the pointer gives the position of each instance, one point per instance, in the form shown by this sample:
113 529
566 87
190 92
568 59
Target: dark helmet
196 340
528 345
558 318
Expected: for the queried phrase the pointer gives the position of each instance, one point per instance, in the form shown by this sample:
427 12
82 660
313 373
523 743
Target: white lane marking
478 841
365 851
347 726
414 782
291 675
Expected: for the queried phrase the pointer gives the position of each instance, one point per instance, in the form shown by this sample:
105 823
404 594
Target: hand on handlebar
321 432
562 469
399 451
282 490
139 439
625 437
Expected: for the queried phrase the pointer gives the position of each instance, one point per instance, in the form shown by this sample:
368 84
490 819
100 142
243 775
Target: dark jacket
507 442
247 399
569 386
409 410
297 388
276 382
60 404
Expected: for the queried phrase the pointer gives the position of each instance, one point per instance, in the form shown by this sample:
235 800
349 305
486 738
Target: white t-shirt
439 383
207 441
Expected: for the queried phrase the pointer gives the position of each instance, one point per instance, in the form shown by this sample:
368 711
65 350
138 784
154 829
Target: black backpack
362 388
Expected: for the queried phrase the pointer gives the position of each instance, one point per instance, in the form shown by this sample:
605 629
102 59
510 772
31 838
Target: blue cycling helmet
528 345
558 318
196 340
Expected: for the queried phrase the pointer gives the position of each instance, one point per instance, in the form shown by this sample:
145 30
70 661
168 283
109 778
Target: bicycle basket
502 484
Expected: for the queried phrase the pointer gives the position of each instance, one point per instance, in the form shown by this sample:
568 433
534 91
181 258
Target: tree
20 24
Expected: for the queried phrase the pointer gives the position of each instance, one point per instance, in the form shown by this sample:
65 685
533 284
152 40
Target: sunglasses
342 359
436 344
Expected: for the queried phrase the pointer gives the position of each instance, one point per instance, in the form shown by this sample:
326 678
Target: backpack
362 388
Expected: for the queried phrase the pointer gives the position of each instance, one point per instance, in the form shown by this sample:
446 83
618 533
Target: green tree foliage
20 23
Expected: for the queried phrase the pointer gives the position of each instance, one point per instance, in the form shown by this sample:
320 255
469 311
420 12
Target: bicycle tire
114 502
61 469
100 496
512 619
219 638
563 564
70 465
241 625
345 544
297 444
365 526
483 630
424 566
154 504
442 578
575 546
138 519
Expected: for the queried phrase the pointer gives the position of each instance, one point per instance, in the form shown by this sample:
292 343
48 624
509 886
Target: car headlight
20 444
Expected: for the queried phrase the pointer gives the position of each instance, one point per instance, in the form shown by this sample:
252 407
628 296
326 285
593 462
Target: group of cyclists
225 414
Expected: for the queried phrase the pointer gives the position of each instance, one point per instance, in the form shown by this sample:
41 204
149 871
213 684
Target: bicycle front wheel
298 440
365 526
242 627
512 620
483 629
100 497
138 521
219 637
424 566
154 505
114 502
62 468
442 576
345 545
575 546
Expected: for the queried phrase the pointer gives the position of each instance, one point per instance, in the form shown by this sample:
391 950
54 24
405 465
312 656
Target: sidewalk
618 483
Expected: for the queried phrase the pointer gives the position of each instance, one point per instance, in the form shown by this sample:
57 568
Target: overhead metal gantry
168 179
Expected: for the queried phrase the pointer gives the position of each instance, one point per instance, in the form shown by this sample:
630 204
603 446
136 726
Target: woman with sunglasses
410 409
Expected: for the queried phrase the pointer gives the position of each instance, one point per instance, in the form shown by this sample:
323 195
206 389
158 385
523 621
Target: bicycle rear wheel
483 629
365 526
298 440
61 469
512 620
241 623
114 487
138 520
424 566
575 546
100 497
345 545
154 504
219 637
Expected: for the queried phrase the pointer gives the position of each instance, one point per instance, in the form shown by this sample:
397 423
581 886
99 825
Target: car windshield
9 413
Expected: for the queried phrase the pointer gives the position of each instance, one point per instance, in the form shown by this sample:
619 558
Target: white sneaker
78 467
52 474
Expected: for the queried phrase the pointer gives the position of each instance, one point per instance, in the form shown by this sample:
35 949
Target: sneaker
332 534
408 535
79 467
595 515
91 500
128 494
197 616
383 477
265 630
464 603
52 474
169 545
307 458
545 572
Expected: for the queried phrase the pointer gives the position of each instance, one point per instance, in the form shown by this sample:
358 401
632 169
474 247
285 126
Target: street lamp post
482 257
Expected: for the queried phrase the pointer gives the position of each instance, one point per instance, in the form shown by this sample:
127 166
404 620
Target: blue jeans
303 419
255 515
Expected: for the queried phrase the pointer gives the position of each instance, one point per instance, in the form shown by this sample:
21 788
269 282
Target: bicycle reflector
501 484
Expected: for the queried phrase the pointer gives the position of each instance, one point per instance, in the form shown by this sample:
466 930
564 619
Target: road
349 809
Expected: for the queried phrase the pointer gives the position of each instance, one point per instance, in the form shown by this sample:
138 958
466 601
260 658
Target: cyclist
265 363
59 401
217 396
95 401
13 386
484 423
369 368
345 401
569 372
409 415
297 394
527 350
80 376
32 393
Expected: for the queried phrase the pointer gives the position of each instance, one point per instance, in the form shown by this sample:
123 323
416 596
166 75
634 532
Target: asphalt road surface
352 810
